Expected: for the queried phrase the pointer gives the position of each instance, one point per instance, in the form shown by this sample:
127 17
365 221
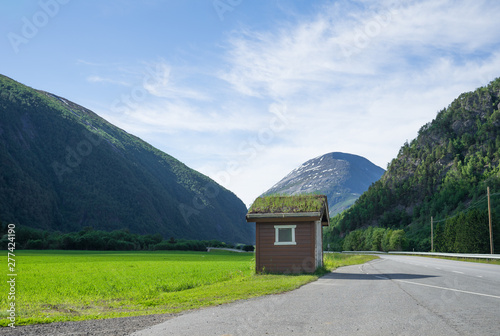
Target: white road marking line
450 289
438 268
458 272
377 261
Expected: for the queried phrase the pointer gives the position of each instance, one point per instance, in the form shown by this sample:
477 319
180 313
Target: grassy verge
56 286
334 260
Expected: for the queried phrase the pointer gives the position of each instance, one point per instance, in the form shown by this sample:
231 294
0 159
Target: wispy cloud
364 76
162 115
99 79
156 78
303 57
162 83
340 47
358 76
165 99
88 63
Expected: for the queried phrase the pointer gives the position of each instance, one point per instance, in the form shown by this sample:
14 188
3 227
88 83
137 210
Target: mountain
443 173
62 167
342 177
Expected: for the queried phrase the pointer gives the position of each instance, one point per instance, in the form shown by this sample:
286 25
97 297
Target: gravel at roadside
110 327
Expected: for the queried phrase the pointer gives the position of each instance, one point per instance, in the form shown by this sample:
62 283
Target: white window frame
276 234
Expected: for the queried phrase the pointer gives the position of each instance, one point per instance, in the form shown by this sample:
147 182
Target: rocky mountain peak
342 177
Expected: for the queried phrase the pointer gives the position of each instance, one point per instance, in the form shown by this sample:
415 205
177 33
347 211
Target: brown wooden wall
285 258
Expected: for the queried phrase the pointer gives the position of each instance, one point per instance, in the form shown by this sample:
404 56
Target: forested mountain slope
62 167
442 173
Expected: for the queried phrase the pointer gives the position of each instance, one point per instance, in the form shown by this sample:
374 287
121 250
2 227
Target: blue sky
244 91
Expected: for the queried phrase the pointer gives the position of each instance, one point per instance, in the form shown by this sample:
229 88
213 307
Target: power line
471 206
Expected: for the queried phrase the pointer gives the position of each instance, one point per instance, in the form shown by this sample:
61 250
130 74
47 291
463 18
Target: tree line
468 232
375 239
465 232
118 240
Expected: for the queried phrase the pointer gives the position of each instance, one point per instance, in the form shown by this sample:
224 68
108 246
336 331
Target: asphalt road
394 295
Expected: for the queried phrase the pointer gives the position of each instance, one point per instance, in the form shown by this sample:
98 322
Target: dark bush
249 248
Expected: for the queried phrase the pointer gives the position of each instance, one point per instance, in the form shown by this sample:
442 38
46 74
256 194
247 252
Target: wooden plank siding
319 244
286 258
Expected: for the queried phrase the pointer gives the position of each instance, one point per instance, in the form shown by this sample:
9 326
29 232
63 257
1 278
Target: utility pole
492 250
432 234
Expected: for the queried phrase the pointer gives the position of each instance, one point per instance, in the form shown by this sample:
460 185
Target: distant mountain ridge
62 167
342 177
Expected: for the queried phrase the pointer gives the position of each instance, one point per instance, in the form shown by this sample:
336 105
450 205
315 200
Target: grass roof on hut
288 204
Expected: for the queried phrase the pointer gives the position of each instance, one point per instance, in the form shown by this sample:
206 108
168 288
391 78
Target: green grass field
80 285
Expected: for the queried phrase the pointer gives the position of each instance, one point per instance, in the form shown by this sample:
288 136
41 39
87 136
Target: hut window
285 235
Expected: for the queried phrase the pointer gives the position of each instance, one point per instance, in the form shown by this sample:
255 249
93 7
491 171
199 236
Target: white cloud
447 25
163 115
362 77
358 77
160 82
336 50
99 79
